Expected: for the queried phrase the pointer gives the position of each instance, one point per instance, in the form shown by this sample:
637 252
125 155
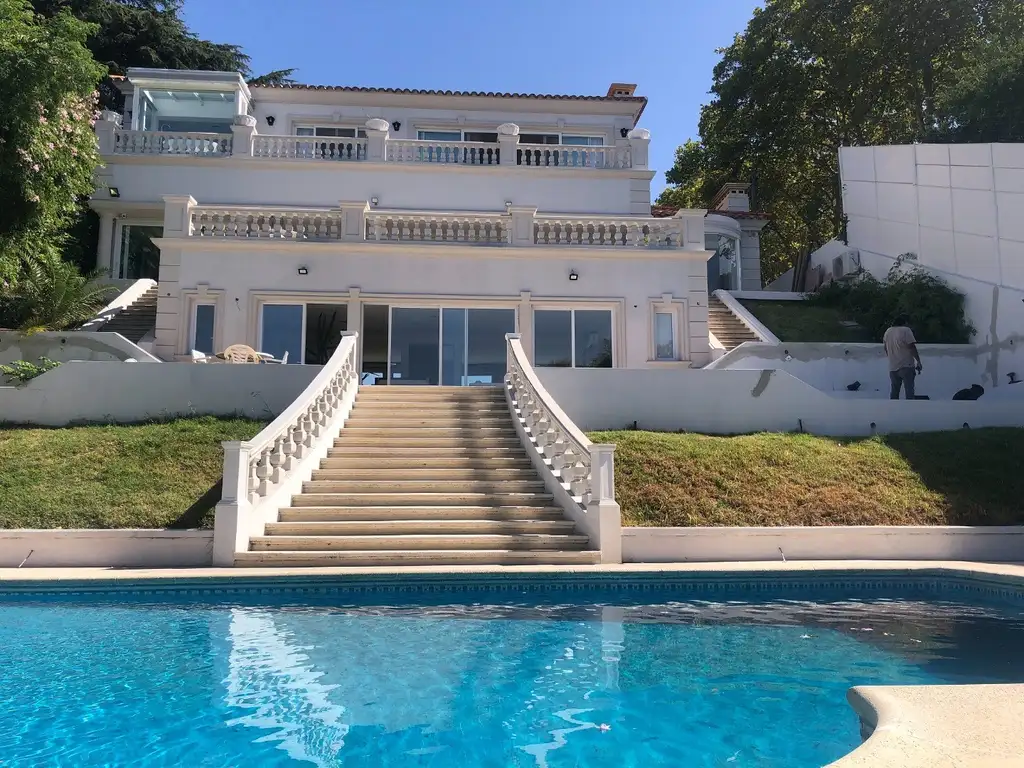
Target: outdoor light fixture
508 205
114 191
623 132
373 201
303 270
573 274
271 119
397 125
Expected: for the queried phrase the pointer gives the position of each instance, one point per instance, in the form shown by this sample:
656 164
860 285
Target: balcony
519 226
244 144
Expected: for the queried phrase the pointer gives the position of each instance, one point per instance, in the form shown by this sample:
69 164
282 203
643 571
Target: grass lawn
969 477
799 321
143 476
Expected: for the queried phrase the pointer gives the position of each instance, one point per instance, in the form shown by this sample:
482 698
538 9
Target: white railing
426 227
257 472
573 156
583 470
308 148
321 224
595 231
443 152
172 143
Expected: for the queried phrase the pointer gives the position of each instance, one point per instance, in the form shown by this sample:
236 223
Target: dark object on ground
973 393
921 397
1012 376
853 387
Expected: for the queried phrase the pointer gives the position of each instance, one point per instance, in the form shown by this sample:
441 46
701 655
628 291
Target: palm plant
52 295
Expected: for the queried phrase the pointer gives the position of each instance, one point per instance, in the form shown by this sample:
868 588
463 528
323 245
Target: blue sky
667 47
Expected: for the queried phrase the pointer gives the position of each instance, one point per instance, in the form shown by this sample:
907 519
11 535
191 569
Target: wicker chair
241 353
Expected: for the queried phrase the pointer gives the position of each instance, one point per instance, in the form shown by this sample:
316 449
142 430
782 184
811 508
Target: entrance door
415 345
473 345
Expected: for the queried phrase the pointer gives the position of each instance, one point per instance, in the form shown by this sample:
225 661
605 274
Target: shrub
21 371
936 310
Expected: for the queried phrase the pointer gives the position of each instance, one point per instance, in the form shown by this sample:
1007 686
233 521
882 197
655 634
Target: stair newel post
231 529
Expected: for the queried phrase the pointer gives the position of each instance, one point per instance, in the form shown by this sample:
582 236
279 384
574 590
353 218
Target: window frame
678 309
117 261
190 300
296 127
194 326
572 309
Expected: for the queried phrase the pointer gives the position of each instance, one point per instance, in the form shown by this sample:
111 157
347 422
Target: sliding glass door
309 333
415 345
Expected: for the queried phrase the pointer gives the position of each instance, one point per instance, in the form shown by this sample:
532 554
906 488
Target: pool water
594 684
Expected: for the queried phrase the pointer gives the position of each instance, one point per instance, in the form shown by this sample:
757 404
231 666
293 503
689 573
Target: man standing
904 361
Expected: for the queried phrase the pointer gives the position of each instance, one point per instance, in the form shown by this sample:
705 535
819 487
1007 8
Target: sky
666 47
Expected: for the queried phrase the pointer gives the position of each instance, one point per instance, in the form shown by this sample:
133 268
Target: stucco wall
736 401
626 282
69 345
134 548
832 367
960 208
130 392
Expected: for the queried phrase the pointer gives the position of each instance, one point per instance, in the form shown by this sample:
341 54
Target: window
138 256
203 322
564 138
572 338
585 141
323 130
439 135
282 331
539 138
664 336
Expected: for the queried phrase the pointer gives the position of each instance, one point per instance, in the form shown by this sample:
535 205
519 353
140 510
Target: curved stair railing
261 475
579 474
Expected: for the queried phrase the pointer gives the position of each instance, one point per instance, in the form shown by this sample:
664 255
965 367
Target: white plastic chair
199 357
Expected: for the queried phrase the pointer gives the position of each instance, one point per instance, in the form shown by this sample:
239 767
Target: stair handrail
583 468
746 317
254 469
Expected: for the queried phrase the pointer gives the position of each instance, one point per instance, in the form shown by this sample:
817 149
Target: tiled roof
491 94
665 211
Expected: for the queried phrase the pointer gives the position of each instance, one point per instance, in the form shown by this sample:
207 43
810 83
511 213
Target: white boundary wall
737 401
703 545
128 548
131 392
64 346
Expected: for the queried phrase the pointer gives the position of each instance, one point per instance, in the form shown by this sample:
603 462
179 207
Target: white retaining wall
130 548
738 401
70 345
130 392
832 367
703 545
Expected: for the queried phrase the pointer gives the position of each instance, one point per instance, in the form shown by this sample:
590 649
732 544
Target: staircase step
412 558
399 543
439 442
406 474
398 526
434 514
467 450
463 421
417 462
462 499
425 485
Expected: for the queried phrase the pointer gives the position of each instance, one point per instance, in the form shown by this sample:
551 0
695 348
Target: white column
353 219
105 129
602 504
526 322
692 224
508 143
105 245
521 227
377 139
354 322
639 143
243 128
178 215
230 522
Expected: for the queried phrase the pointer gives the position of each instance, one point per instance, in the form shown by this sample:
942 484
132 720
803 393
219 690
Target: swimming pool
509 671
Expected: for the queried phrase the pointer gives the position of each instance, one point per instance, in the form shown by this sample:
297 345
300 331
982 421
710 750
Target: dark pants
904 377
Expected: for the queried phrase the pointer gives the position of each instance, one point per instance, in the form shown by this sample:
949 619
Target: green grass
798 321
969 477
164 475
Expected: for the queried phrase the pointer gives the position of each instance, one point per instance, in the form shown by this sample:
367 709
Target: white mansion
431 222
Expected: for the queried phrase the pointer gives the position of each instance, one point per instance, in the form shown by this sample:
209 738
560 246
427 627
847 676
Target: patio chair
241 353
266 357
199 357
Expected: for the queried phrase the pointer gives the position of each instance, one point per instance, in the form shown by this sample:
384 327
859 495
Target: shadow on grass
977 471
200 514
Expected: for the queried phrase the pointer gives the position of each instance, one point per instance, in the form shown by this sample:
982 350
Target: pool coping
938 726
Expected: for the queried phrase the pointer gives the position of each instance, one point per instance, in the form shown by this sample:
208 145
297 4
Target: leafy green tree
809 76
51 295
47 146
985 102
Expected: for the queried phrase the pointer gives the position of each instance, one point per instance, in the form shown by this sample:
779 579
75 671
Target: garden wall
129 392
70 345
133 548
742 401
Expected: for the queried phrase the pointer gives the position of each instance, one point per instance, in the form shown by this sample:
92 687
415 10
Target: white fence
443 152
320 224
172 143
437 227
308 148
573 156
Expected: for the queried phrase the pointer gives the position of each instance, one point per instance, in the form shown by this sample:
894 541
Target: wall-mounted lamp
374 201
397 125
574 275
303 270
508 205
271 119
114 191
623 132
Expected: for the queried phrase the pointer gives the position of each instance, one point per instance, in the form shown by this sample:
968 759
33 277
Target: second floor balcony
373 144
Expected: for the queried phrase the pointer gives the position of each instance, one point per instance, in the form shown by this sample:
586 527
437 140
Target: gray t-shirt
898 341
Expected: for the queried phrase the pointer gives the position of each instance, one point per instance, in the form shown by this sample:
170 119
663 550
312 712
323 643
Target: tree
51 295
47 146
985 102
809 76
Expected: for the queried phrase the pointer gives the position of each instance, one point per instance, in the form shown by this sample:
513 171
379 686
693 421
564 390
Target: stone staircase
726 327
423 476
136 320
